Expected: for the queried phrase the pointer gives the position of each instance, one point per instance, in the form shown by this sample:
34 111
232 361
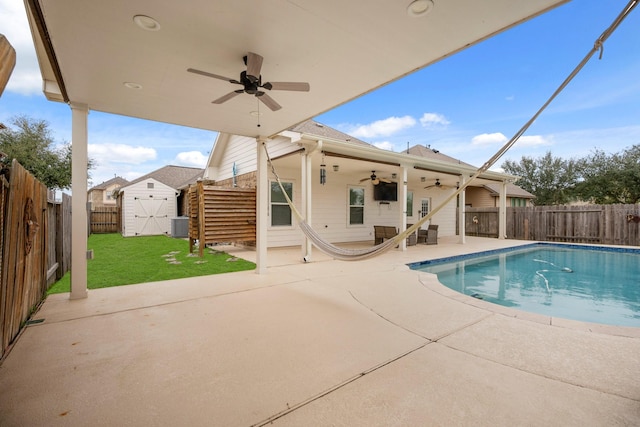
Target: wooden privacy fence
105 219
604 224
34 250
221 215
481 222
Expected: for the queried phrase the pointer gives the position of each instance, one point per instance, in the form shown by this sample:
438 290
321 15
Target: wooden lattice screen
221 215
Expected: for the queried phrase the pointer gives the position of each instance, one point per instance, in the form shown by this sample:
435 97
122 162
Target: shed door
151 216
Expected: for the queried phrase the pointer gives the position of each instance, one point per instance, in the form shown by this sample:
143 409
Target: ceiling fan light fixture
418 8
147 23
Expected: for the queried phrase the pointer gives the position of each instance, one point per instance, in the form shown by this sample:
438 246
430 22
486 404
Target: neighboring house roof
172 176
432 153
311 127
512 191
119 181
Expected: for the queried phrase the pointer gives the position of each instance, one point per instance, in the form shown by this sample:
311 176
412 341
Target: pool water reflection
592 284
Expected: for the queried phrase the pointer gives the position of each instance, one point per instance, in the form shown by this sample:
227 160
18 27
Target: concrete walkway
327 343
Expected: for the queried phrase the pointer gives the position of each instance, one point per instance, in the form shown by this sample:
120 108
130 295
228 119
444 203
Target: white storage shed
150 202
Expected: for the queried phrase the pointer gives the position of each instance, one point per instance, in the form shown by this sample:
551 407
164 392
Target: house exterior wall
330 204
242 151
330 211
478 197
102 197
130 226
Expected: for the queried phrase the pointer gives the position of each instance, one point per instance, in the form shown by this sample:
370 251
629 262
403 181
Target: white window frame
410 213
349 205
271 203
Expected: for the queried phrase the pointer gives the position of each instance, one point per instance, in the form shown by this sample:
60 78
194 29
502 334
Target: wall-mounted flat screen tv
385 192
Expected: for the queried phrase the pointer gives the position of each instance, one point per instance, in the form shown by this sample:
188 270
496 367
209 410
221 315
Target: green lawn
123 261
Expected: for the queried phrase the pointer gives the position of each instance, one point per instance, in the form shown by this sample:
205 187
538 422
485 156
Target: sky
466 106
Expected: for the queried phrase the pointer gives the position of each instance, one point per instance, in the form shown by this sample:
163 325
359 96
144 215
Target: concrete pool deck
324 343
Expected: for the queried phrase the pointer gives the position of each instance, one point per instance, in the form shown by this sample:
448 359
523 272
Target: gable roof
432 153
312 127
173 176
119 181
512 191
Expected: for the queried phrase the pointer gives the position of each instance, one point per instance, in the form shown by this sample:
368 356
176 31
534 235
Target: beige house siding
478 197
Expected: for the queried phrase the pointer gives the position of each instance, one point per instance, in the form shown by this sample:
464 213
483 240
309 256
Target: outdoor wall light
394 175
336 168
323 174
423 179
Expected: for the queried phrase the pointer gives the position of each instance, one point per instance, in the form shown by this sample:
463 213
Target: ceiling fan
437 185
251 80
374 179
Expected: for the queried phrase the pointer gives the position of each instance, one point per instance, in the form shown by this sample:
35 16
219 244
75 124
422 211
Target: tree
32 145
613 178
551 179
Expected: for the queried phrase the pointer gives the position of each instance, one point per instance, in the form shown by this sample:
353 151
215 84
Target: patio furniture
428 236
382 232
412 238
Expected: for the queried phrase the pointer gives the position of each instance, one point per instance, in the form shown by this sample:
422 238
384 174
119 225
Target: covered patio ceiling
94 53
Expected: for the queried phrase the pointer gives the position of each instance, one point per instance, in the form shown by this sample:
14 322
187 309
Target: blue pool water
592 284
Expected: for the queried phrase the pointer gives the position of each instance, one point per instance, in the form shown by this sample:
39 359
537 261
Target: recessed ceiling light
419 8
132 85
255 113
146 23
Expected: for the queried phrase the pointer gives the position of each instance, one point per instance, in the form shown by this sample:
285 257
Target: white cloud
120 153
430 119
191 158
25 78
384 127
385 145
489 139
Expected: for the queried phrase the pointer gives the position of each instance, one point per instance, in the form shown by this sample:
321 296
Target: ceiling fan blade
295 86
365 179
215 76
254 65
268 101
227 97
385 180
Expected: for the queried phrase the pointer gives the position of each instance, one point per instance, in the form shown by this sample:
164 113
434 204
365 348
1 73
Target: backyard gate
23 281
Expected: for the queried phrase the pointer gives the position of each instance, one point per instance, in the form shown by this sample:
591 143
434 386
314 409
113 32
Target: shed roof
173 176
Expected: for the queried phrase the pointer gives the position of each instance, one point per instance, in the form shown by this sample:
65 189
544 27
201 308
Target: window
409 203
149 185
356 205
517 201
280 210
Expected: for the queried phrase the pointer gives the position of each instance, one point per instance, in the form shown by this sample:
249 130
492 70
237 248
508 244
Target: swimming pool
592 284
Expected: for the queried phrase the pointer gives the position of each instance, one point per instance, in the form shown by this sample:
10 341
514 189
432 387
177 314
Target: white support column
462 229
262 208
79 178
306 201
402 198
502 212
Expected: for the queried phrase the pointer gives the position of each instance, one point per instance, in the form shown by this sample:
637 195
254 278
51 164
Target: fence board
24 263
220 214
604 224
105 219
